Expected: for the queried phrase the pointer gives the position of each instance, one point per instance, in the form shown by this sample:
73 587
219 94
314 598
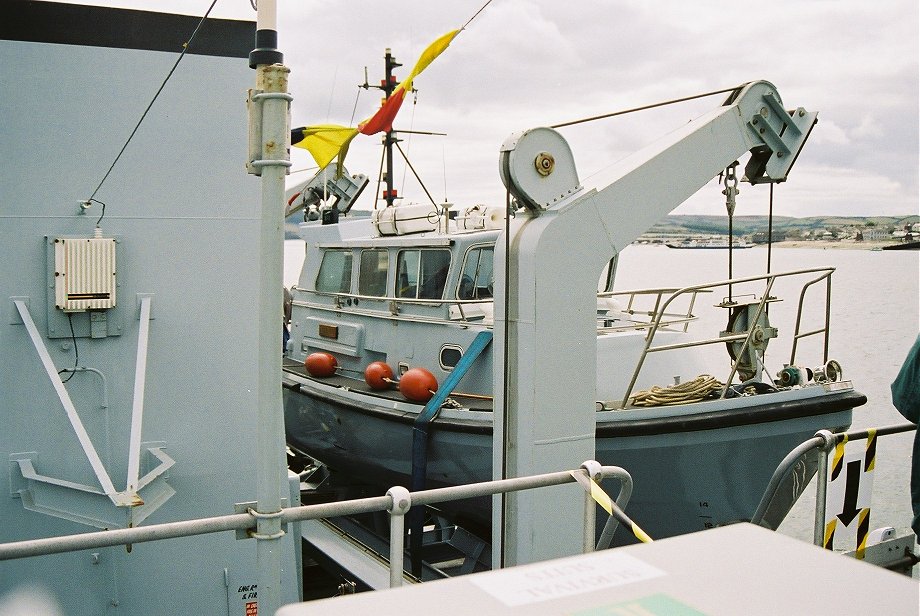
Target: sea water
875 317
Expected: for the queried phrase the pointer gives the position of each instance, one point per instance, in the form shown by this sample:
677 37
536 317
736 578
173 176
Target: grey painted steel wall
186 215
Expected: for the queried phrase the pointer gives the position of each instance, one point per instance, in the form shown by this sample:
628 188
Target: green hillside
746 225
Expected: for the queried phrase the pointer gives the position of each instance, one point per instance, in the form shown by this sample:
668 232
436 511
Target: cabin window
478 275
335 272
450 356
422 274
372 273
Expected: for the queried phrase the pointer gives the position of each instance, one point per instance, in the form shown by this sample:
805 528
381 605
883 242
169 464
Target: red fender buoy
417 385
378 375
320 365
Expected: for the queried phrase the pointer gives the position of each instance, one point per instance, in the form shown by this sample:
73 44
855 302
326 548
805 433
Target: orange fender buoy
320 365
378 375
417 385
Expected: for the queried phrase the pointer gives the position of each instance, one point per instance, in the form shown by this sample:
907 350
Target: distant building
761 237
871 234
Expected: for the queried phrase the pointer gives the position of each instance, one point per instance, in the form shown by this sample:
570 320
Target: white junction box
84 273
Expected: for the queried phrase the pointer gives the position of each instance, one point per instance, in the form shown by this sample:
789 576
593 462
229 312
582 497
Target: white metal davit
548 422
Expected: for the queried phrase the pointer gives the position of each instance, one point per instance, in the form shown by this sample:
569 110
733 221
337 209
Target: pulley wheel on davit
739 323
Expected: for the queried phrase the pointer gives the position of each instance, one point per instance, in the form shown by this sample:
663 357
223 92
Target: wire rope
481 9
422 184
185 48
402 186
645 107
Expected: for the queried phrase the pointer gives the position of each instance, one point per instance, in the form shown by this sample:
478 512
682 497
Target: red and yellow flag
324 141
328 141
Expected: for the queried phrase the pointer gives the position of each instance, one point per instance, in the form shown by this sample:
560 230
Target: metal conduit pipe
105 388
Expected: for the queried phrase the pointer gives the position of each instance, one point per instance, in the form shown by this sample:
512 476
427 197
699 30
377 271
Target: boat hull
903 246
691 470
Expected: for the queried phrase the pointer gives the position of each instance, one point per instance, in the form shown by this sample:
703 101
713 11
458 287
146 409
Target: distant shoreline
816 244
826 244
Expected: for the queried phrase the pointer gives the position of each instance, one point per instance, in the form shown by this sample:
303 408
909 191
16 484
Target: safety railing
389 306
823 443
644 318
827 317
662 318
397 501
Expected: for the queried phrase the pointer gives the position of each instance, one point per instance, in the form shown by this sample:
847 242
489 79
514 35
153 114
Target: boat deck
359 385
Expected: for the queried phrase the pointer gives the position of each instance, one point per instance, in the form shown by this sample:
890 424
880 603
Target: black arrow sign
851 493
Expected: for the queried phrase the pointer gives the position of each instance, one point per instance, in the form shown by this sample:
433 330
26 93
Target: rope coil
695 390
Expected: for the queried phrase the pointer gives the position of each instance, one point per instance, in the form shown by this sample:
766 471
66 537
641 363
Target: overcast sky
526 63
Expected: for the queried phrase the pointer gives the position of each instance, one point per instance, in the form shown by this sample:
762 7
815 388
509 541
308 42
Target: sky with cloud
526 63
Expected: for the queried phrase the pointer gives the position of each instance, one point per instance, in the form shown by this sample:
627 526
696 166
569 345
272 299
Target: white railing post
402 501
596 473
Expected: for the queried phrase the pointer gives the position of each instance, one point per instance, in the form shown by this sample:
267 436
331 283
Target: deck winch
830 372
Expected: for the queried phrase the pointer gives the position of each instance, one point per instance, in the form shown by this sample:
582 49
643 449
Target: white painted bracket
91 454
137 407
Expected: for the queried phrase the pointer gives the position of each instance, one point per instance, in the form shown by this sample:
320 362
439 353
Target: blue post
420 440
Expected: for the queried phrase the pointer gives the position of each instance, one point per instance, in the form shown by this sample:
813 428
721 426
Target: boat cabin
363 285
412 287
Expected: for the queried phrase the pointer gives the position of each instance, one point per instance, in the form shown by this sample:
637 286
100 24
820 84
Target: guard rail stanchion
821 490
402 501
595 472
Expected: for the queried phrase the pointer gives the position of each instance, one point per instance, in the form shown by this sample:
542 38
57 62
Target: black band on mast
266 51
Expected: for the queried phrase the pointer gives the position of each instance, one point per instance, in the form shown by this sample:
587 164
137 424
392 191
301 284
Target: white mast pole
270 158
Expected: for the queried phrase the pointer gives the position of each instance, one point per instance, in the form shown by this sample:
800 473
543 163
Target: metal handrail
661 318
824 442
437 301
680 317
827 317
397 501
675 318
832 440
769 279
392 303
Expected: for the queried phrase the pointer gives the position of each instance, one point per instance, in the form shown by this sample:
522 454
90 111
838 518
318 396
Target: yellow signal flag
328 141
324 141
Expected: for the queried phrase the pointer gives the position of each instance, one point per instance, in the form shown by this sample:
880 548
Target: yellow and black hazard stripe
862 533
829 534
862 528
836 468
604 500
837 464
870 451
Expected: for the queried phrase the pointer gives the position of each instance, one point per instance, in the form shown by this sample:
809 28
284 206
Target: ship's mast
388 85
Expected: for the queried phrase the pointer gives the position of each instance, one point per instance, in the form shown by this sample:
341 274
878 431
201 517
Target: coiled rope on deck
694 390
